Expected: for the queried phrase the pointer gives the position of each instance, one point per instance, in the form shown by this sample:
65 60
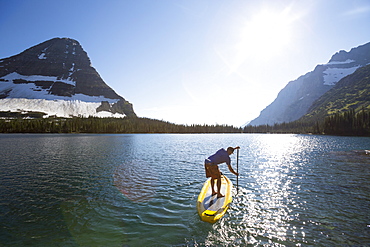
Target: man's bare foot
214 193
219 196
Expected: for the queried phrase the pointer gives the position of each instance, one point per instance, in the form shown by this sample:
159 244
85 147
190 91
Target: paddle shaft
237 170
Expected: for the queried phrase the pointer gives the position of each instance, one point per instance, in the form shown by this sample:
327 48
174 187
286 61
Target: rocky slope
297 97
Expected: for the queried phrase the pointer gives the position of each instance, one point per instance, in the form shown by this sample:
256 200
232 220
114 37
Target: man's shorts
211 170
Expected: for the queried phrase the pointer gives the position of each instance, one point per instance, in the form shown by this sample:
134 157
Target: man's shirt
219 157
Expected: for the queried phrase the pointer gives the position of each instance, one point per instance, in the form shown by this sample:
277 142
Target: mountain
351 92
297 97
56 78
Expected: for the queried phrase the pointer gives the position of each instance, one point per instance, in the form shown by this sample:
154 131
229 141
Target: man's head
230 150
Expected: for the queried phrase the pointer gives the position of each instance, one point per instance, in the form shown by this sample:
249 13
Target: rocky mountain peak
58 67
53 57
359 55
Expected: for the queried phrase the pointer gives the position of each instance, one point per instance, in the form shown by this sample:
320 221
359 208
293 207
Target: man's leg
213 186
219 185
210 173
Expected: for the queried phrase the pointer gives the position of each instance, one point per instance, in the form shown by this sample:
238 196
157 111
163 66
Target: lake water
141 190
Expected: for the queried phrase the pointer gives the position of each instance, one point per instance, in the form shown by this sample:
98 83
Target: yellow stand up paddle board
210 208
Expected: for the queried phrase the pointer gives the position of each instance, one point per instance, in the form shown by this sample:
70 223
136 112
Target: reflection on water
136 180
262 211
290 194
275 190
141 190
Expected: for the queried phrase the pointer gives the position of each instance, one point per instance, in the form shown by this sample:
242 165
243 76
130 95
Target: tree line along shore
349 123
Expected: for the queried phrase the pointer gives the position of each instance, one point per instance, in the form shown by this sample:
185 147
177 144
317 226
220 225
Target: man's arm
228 162
232 170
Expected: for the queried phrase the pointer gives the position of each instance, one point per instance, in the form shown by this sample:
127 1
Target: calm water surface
141 190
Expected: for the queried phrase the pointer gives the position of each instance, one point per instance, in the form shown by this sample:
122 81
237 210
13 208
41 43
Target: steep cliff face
57 69
297 97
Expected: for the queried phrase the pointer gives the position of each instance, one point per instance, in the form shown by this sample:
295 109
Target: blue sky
188 61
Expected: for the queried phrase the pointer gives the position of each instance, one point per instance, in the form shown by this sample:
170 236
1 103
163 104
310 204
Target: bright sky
191 61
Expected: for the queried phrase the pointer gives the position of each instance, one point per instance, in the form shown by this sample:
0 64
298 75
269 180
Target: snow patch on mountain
32 91
15 76
341 62
59 108
333 75
42 56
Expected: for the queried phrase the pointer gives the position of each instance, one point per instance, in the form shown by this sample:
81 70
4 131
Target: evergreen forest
349 123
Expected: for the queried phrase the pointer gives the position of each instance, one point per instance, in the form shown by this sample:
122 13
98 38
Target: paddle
237 171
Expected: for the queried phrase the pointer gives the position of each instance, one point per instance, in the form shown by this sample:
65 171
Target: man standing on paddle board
212 170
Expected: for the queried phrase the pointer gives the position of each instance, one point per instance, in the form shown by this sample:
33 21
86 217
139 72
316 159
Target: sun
259 37
266 34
